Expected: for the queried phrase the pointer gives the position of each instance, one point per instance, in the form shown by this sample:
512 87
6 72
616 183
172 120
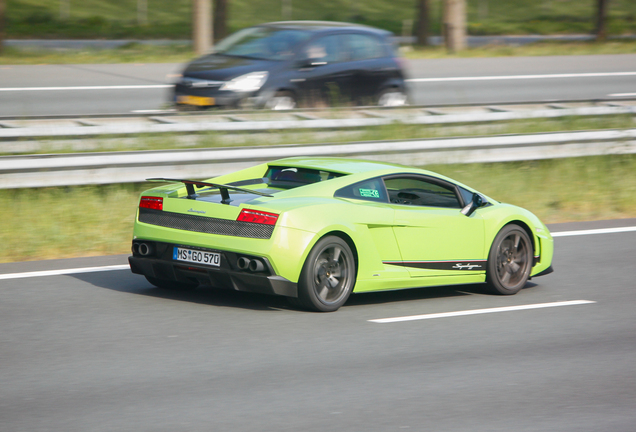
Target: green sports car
317 229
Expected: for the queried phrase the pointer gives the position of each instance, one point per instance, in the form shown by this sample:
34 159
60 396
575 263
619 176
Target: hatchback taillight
153 203
259 217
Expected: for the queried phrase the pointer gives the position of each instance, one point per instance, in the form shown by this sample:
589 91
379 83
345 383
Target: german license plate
195 256
195 100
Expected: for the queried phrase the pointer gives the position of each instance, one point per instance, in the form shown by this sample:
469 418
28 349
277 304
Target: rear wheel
509 261
328 276
170 285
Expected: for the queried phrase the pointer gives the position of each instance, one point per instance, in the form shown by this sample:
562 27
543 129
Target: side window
369 190
362 47
417 191
324 50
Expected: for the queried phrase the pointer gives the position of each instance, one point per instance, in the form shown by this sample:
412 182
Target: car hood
223 68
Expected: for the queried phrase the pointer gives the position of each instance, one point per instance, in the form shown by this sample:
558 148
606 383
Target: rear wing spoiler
225 194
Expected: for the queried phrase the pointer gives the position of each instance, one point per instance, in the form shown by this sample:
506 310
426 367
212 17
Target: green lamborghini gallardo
317 229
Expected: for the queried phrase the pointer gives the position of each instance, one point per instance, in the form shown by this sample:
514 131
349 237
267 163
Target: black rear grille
202 224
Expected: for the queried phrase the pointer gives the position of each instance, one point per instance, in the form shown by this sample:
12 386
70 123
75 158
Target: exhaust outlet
243 263
256 266
145 249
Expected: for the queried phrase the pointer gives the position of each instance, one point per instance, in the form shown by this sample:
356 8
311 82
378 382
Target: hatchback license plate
195 100
195 256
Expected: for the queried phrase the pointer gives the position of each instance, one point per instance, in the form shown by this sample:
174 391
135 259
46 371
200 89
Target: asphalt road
105 351
99 89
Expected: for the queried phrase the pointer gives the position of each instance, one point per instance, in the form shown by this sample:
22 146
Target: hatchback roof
321 25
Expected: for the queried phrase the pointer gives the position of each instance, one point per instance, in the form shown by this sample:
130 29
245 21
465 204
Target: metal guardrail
124 167
296 120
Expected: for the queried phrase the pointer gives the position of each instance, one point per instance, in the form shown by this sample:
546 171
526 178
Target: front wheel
509 261
392 97
282 100
328 276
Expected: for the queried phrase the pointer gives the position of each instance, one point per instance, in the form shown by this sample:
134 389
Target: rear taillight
153 203
259 217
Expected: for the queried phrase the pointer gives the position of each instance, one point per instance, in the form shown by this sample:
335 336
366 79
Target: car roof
340 165
356 170
323 25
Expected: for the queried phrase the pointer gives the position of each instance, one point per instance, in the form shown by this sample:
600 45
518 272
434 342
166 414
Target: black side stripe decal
442 265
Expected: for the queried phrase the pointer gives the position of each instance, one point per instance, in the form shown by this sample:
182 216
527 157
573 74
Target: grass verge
180 53
551 48
130 53
50 223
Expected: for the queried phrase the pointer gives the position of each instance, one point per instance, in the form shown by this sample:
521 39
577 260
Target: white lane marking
126 266
115 87
481 311
63 272
622 94
524 77
152 111
593 231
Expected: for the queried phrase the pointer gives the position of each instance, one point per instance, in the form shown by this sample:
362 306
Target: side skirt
369 285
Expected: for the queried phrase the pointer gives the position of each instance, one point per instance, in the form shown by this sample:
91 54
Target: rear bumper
161 266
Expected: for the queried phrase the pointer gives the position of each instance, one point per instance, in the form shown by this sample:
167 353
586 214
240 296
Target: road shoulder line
480 311
67 271
593 231
63 272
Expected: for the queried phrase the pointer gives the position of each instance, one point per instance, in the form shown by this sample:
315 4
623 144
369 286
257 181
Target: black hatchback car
284 64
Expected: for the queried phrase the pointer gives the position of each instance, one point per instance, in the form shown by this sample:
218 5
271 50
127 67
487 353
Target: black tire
171 285
328 276
509 260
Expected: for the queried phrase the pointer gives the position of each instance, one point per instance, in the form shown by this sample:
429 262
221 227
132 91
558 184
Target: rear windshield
288 177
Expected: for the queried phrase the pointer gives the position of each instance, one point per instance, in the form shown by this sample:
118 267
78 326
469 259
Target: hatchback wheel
282 100
392 97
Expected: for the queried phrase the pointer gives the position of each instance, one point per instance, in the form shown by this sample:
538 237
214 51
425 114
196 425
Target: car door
434 237
323 78
369 64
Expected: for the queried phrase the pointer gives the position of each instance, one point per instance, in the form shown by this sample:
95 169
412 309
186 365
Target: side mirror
474 205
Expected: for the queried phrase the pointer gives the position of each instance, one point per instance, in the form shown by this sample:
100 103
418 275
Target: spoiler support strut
224 189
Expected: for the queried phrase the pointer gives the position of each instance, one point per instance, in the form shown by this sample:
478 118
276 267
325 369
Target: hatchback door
323 78
371 67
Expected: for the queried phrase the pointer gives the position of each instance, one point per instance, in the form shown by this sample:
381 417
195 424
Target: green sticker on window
369 193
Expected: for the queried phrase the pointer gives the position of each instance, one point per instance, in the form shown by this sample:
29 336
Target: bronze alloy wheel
510 260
